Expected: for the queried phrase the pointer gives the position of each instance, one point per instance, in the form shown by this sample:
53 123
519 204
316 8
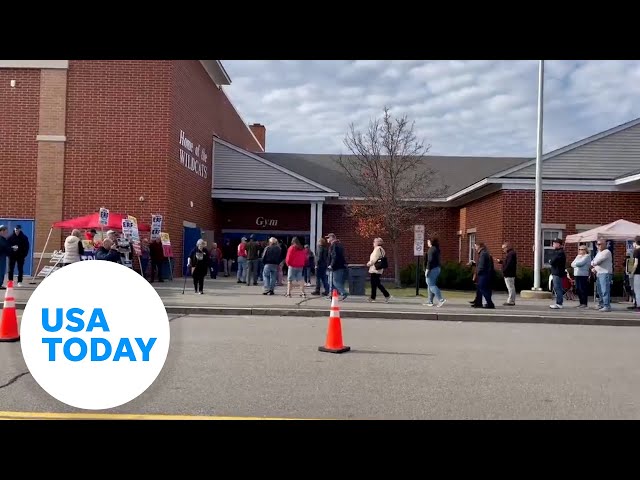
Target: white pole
537 263
44 249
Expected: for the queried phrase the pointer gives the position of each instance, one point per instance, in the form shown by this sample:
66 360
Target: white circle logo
95 335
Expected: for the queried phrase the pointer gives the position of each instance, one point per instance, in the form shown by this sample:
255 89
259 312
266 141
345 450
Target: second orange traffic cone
334 343
9 323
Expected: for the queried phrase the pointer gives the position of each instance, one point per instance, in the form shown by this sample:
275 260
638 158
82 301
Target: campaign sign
94 348
104 216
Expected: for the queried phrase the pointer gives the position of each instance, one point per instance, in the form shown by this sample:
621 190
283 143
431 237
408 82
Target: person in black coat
484 275
198 262
558 262
322 262
5 250
19 245
509 271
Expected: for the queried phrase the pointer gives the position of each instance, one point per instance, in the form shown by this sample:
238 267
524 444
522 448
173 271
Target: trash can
357 279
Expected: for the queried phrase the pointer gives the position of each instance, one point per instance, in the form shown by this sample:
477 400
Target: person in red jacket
296 260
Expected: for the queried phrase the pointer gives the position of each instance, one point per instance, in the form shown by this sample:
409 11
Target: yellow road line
120 416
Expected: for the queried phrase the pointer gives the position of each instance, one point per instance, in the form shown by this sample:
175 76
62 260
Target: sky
460 107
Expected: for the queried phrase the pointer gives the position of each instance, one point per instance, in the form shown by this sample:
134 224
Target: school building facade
162 137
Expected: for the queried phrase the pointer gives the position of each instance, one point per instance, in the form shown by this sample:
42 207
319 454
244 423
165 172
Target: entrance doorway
235 236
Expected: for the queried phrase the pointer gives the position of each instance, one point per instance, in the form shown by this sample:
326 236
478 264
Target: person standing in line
636 273
215 260
509 272
271 260
199 261
19 245
484 274
432 272
242 260
558 262
228 257
322 260
252 261
73 248
337 265
603 266
377 263
295 260
5 250
581 265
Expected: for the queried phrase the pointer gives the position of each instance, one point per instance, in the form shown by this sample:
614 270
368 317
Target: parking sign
418 240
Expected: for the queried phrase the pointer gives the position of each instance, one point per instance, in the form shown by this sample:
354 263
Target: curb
398 315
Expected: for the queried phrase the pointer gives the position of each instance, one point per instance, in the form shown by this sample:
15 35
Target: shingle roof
455 172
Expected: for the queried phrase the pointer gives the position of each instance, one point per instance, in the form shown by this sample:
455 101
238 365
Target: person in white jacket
603 266
73 248
581 265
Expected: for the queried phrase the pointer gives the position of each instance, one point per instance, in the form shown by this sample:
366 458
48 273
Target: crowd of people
272 262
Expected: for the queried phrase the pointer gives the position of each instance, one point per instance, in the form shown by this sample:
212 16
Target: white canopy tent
620 230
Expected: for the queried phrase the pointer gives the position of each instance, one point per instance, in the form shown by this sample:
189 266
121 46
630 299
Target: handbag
381 263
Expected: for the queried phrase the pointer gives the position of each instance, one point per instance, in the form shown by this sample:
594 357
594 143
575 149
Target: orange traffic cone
334 343
9 322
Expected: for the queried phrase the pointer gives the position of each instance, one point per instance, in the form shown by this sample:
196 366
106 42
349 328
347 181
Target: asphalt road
270 367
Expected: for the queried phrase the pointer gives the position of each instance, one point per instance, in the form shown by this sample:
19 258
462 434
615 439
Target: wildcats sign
193 156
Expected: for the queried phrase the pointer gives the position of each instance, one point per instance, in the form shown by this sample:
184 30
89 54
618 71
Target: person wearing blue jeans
337 265
271 260
603 266
432 272
4 252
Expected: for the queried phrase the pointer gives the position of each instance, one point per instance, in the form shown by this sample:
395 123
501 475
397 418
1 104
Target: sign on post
156 226
418 240
104 216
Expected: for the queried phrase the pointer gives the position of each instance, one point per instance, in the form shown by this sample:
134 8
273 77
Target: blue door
189 239
28 228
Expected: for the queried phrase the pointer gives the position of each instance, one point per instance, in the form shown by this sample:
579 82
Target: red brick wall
509 216
568 208
201 110
486 216
117 137
19 111
442 223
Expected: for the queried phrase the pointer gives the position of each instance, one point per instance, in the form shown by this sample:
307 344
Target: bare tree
387 166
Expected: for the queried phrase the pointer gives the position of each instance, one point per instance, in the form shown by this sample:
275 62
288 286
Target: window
472 250
547 246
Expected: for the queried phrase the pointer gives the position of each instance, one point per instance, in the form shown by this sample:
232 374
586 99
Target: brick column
51 147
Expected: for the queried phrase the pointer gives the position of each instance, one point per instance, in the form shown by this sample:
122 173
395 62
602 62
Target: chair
568 287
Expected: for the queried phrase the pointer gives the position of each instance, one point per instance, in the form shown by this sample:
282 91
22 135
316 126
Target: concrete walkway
224 296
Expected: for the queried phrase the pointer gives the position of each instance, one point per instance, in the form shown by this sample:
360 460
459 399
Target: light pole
537 261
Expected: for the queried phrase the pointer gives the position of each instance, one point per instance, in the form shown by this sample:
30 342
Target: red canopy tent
93 221
90 221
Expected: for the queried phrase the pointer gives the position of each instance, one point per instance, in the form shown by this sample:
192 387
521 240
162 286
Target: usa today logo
95 335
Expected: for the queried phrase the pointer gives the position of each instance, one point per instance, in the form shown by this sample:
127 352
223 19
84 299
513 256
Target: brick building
79 135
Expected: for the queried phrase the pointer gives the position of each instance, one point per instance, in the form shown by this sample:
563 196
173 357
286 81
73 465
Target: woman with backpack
377 263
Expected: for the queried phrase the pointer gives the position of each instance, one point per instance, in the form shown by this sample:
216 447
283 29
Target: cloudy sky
460 107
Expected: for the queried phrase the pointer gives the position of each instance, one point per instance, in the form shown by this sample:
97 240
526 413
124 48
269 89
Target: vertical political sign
156 226
104 217
418 251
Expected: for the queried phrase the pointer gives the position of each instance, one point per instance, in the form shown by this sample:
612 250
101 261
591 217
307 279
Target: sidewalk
224 296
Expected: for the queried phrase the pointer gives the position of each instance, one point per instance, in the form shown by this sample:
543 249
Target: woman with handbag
377 263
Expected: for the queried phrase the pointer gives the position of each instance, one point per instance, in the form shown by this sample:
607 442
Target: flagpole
538 196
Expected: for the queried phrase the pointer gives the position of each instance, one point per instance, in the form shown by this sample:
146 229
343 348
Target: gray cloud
460 107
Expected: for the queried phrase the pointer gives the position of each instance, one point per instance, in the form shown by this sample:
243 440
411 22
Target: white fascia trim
629 179
266 195
275 166
570 147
